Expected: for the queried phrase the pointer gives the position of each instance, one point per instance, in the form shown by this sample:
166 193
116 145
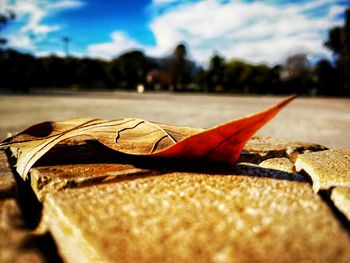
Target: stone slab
14 237
341 198
260 148
187 217
269 171
282 164
67 166
327 168
69 163
55 178
7 180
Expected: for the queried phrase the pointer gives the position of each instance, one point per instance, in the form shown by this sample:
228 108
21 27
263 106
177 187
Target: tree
16 70
91 73
329 81
260 78
236 75
216 72
129 69
297 74
5 18
339 43
247 78
200 79
179 67
346 43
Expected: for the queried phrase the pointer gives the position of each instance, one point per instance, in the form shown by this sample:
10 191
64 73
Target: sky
257 31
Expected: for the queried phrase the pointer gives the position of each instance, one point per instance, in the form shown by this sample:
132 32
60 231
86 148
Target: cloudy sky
257 31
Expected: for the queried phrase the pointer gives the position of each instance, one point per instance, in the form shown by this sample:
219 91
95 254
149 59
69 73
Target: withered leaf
222 143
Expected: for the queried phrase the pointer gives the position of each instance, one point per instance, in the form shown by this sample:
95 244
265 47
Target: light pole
66 41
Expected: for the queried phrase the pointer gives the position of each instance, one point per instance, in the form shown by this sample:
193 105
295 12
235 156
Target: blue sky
253 30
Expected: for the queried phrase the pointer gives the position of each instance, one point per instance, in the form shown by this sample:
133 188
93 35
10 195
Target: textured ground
320 120
133 209
102 207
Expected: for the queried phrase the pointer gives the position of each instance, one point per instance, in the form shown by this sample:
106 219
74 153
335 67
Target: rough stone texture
186 217
341 198
14 239
7 180
282 164
259 149
77 163
327 168
122 208
59 175
55 178
258 171
16 242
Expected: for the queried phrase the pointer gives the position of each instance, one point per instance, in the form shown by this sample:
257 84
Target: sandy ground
320 120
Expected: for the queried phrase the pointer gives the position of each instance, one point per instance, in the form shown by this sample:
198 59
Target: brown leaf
222 143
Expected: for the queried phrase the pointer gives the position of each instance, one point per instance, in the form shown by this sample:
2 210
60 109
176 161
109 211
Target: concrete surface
194 217
319 120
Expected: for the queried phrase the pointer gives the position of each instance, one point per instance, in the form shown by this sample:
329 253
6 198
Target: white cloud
334 11
49 53
21 41
31 15
120 43
65 4
58 53
258 31
162 2
35 14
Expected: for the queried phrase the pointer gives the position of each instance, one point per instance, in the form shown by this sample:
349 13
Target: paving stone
187 217
53 173
282 164
327 168
10 217
268 171
341 198
76 163
48 179
51 178
7 180
259 149
13 236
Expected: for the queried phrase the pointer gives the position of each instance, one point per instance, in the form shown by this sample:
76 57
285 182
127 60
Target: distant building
173 72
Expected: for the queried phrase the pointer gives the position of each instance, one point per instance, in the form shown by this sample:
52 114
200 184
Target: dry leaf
222 143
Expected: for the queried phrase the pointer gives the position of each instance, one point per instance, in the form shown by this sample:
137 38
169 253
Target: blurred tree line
296 75
21 71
